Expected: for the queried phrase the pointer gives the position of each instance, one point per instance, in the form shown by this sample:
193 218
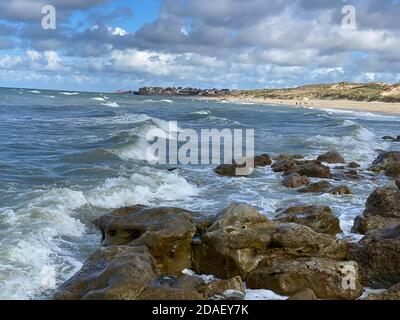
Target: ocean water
68 157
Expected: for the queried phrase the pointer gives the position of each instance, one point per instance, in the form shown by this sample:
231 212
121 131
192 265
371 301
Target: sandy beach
383 107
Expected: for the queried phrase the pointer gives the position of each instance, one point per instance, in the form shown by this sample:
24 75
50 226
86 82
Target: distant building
159 91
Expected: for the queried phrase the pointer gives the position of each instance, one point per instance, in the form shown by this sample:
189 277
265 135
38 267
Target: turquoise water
66 158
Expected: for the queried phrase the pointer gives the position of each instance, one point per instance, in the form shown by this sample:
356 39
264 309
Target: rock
365 223
283 165
388 138
354 165
378 257
311 169
397 139
160 293
339 168
322 186
347 175
234 247
262 160
305 295
328 279
392 294
389 162
382 211
288 157
219 287
229 170
320 219
398 183
384 202
331 157
112 273
340 191
295 180
167 232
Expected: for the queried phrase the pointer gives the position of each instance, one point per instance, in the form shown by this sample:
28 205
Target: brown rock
295 180
322 186
384 202
398 183
312 169
111 273
288 157
340 191
230 170
378 257
328 279
219 287
283 165
262 160
235 248
320 219
354 165
389 162
368 222
167 232
331 157
305 295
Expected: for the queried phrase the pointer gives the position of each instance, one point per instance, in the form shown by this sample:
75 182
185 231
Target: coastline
346 105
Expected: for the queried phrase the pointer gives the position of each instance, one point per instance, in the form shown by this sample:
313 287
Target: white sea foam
110 104
166 100
69 93
98 99
35 91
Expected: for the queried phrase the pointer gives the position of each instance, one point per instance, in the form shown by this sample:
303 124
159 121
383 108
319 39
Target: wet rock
234 247
311 169
220 287
283 165
365 223
328 279
295 180
331 157
262 160
167 232
288 157
384 202
398 183
378 257
304 295
340 191
354 165
112 273
347 175
382 210
389 162
388 138
320 219
392 294
322 186
231 170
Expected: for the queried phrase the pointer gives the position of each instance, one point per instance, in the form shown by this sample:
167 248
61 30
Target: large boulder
234 247
295 180
167 232
328 279
111 273
382 211
320 219
389 162
331 157
378 257
304 295
262 160
283 165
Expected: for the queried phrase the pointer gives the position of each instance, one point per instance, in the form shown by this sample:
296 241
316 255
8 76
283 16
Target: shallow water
68 157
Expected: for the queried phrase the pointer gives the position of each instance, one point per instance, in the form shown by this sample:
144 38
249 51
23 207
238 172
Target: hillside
377 91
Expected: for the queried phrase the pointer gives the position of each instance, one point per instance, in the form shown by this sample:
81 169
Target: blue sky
124 44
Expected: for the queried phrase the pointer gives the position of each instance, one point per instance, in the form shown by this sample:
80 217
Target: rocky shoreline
158 253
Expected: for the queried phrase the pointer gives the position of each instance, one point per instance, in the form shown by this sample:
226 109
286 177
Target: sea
69 157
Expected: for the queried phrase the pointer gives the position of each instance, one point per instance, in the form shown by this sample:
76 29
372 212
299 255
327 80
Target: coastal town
179 91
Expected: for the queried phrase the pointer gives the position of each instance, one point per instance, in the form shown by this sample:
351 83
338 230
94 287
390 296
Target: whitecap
69 93
98 99
110 104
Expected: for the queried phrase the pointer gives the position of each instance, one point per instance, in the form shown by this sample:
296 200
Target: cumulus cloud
234 43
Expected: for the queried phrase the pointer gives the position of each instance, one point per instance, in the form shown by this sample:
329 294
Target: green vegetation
376 91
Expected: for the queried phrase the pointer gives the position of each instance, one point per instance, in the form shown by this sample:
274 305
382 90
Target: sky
106 45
